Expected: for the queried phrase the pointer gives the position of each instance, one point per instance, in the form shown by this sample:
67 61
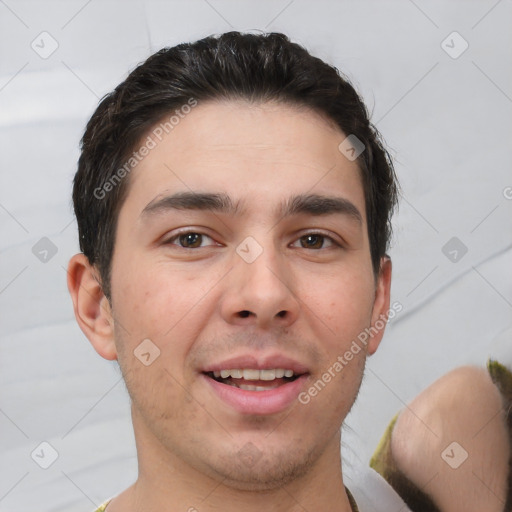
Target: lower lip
258 402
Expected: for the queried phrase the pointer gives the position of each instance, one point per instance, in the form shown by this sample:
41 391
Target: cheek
332 392
342 303
149 297
164 304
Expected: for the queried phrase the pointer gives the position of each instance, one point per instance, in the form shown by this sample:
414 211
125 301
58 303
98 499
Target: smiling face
242 253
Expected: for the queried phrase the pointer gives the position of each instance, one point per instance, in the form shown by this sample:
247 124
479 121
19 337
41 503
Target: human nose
259 289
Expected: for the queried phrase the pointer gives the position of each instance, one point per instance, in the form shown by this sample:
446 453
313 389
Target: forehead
259 152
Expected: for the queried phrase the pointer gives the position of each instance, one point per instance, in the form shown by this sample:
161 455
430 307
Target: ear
381 305
92 309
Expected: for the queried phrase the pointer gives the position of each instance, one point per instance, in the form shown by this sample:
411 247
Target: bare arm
452 442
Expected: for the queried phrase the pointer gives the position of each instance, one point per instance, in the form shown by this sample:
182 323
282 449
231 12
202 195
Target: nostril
245 313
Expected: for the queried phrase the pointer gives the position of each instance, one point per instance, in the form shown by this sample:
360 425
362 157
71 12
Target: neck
167 482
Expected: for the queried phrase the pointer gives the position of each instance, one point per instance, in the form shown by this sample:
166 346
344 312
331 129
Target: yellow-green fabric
102 507
352 501
502 378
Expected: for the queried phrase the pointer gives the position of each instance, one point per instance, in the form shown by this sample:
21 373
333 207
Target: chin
266 473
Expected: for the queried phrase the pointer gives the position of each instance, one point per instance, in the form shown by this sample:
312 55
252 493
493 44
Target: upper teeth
249 374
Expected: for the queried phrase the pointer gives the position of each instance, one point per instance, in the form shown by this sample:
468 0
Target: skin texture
463 406
199 305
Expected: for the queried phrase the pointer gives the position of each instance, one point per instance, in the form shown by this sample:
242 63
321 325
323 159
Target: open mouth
257 391
253 379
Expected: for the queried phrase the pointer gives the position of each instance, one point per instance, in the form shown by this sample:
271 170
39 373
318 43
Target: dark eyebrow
311 204
314 204
221 203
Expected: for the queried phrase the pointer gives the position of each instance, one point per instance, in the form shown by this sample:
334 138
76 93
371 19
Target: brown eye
317 241
190 240
312 241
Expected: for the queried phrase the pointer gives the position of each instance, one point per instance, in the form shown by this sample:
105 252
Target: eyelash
334 243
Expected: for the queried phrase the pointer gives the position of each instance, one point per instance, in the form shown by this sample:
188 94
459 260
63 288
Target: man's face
277 284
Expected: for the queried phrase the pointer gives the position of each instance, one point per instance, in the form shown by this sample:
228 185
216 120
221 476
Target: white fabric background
448 122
